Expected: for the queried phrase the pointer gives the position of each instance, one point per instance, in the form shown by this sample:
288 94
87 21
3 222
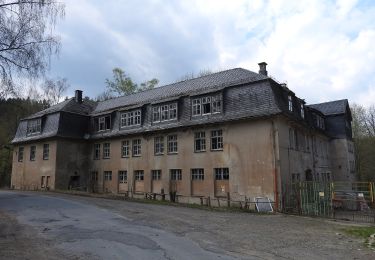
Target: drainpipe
275 160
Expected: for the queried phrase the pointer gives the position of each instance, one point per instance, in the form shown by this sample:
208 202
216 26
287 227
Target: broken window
20 153
172 111
45 151
107 175
197 174
125 148
139 175
137 147
159 145
217 140
172 143
122 176
106 150
221 173
34 126
200 142
131 118
156 114
176 174
103 123
156 175
164 112
206 105
216 104
96 151
32 152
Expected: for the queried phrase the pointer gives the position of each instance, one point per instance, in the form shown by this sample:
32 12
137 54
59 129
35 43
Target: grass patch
362 232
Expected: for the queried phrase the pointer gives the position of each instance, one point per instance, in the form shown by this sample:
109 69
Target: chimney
78 96
263 68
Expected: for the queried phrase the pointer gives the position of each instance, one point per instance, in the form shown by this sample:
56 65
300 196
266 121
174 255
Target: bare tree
27 40
54 90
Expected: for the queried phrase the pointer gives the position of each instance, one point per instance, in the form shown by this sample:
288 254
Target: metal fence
341 200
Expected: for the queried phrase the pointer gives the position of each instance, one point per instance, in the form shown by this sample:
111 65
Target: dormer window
290 103
206 105
131 118
103 123
164 112
34 126
302 111
320 122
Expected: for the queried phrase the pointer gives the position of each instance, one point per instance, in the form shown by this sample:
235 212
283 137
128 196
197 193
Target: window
20 153
320 122
207 105
351 167
45 151
197 174
125 148
96 151
302 111
107 175
290 103
94 176
217 140
200 142
176 174
122 176
164 112
139 175
106 150
196 107
159 145
32 152
295 177
172 143
221 173
131 118
137 147
103 123
34 126
156 175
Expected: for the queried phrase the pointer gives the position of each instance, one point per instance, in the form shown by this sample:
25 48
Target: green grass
362 232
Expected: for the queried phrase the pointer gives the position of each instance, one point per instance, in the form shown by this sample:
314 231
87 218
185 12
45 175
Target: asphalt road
56 226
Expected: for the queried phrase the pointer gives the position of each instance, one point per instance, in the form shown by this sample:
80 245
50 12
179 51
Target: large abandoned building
234 132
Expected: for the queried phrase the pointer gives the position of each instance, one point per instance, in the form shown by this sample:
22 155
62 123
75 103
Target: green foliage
11 111
362 232
123 85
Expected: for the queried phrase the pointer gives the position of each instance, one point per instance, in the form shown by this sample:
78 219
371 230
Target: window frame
217 139
130 118
221 174
32 153
156 175
290 103
106 150
197 174
34 126
21 153
200 137
97 151
158 145
45 151
136 147
139 175
122 176
172 144
107 175
125 149
175 174
103 123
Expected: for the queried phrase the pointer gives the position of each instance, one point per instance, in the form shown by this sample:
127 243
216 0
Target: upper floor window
217 140
125 147
290 103
137 147
34 126
32 152
20 153
122 176
164 112
206 105
197 174
302 111
199 141
221 173
159 145
131 118
320 122
96 151
106 150
45 151
102 123
172 143
176 174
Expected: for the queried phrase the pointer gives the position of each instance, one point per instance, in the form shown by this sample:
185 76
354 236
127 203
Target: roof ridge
344 99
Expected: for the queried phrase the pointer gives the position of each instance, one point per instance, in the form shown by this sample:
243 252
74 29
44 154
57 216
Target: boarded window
131 118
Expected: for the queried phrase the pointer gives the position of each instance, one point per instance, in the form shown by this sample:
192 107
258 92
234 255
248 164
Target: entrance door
47 182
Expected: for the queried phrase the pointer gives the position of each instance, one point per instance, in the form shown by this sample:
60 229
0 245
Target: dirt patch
23 242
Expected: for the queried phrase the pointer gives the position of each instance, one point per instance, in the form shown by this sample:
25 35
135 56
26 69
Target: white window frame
45 151
156 175
34 126
130 118
175 174
221 174
201 138
125 148
172 143
159 145
197 174
290 103
139 175
106 150
136 147
217 138
196 107
122 176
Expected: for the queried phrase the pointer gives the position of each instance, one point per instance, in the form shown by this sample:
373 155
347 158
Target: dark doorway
309 176
74 182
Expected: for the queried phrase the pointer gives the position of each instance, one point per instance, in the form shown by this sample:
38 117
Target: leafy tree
53 90
122 84
202 73
27 40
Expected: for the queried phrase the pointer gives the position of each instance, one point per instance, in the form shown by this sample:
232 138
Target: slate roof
197 85
331 108
69 105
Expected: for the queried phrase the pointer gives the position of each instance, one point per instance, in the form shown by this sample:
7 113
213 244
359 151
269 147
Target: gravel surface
72 227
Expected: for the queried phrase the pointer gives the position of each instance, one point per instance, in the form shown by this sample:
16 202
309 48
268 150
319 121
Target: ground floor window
94 176
221 173
176 174
139 175
122 176
156 175
197 174
107 175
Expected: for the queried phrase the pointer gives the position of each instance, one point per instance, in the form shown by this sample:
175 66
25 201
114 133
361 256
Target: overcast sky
324 49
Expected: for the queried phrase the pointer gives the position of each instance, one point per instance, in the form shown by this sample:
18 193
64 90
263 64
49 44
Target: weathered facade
235 132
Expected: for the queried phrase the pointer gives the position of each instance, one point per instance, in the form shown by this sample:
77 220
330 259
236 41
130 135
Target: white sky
324 50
